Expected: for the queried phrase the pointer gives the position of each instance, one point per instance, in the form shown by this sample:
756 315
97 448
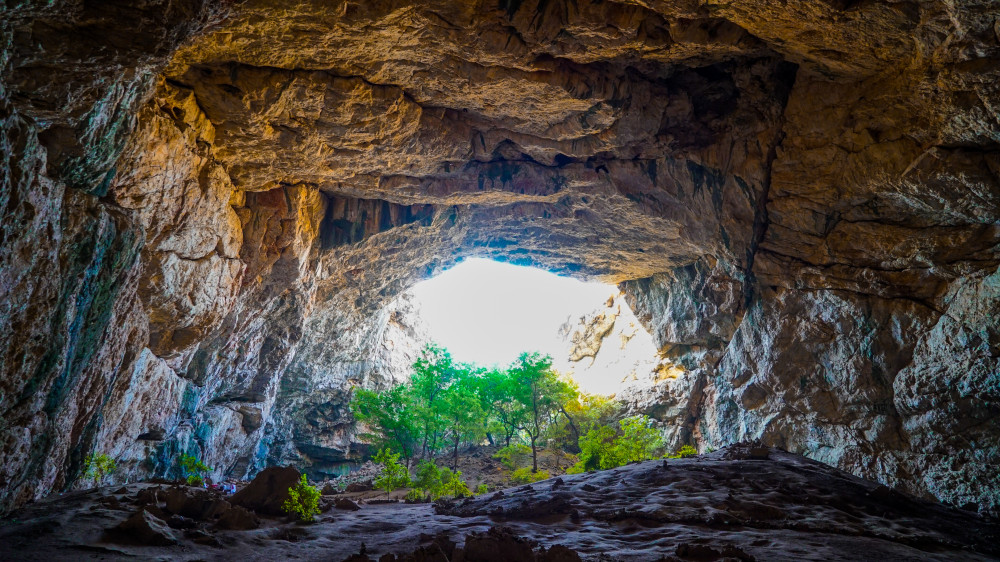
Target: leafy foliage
433 482
513 456
390 417
527 476
526 406
192 469
99 466
603 447
597 450
452 484
303 500
683 453
639 440
541 393
393 475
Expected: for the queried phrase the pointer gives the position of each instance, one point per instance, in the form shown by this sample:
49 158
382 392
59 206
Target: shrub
639 441
394 475
417 495
482 489
525 476
428 476
435 483
98 466
597 450
303 500
603 447
453 485
192 469
683 453
514 456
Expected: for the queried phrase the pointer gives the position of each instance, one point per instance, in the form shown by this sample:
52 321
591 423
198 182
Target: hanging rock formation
208 213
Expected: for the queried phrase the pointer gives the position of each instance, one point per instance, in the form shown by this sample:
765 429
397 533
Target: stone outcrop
208 215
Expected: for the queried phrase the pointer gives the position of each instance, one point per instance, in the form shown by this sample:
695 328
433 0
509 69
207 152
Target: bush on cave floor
192 469
433 483
303 501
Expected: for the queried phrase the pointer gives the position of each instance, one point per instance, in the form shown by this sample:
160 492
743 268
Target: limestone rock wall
209 209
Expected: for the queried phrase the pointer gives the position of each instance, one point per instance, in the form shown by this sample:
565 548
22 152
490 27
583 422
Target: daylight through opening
487 312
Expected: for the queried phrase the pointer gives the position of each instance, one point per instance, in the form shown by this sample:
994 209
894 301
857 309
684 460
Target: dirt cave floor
737 503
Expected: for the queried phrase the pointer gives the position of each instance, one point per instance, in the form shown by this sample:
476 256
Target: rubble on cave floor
734 504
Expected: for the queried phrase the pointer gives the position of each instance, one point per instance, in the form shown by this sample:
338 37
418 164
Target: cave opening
488 312
212 214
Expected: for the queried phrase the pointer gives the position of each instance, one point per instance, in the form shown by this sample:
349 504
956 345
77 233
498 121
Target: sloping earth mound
739 503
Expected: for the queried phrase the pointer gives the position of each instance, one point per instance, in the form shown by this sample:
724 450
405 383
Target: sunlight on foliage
523 408
526 476
683 453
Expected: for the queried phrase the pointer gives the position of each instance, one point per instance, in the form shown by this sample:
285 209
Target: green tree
462 410
433 372
390 416
505 414
541 393
580 416
393 475
597 450
602 447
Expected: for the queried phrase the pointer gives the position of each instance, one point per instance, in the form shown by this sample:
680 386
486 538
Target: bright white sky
488 312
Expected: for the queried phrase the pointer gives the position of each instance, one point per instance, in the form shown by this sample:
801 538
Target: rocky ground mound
739 503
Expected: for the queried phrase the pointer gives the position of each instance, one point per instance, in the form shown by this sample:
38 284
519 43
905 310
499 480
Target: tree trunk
454 465
534 454
571 424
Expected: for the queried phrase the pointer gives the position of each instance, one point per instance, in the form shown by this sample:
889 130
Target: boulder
366 486
346 504
268 491
238 519
195 503
143 528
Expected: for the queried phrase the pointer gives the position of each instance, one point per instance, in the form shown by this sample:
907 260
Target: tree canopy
447 403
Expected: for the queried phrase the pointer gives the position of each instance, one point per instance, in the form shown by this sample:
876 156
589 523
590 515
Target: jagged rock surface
740 503
203 233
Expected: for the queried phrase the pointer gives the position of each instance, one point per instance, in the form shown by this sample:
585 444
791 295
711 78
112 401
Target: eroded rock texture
208 214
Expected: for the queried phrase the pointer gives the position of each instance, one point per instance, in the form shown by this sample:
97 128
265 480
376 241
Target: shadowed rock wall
207 219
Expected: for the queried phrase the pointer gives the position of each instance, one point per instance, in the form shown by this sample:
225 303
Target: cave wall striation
210 211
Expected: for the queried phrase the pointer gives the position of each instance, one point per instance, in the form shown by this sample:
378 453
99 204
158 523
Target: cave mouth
488 312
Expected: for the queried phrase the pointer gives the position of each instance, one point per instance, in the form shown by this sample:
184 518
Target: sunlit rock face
207 216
